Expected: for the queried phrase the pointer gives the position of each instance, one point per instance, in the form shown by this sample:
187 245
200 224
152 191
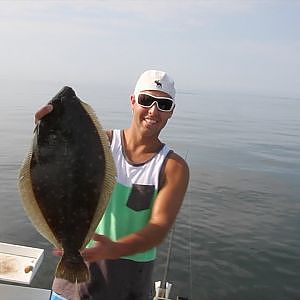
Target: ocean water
237 234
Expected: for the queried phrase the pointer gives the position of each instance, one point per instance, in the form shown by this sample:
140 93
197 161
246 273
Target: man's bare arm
165 210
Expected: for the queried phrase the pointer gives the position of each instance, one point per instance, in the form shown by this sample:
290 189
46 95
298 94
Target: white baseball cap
153 80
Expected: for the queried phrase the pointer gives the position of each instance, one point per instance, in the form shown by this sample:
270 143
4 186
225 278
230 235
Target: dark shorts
119 279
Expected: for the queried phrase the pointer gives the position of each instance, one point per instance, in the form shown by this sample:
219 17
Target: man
151 184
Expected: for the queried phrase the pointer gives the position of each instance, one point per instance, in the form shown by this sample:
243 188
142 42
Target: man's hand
42 112
104 248
58 252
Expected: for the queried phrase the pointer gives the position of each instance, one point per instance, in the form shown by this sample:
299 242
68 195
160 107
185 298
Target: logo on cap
158 84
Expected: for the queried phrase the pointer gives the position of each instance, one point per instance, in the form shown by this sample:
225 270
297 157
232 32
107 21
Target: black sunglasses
162 103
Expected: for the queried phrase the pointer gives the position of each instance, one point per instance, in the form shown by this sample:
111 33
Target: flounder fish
66 180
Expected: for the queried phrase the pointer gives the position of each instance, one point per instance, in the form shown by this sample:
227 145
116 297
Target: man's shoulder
175 162
175 172
109 133
175 156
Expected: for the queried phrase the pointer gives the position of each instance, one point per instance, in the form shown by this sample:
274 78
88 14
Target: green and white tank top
131 202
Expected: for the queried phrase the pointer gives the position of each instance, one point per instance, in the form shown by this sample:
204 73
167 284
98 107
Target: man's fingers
58 252
98 237
42 112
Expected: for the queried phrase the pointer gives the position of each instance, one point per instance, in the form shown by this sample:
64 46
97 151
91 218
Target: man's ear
132 101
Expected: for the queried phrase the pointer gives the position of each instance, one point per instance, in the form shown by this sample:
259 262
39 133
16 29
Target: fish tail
72 268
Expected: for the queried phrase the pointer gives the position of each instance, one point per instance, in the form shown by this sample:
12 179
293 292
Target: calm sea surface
238 233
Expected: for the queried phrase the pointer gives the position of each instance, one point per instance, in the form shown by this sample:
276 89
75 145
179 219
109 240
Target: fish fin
73 269
31 206
109 176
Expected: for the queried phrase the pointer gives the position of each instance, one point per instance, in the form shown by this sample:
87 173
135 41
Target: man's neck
139 148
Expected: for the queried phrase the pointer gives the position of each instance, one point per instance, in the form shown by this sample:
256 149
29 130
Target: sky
226 45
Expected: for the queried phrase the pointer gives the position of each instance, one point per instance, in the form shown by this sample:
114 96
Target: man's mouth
150 121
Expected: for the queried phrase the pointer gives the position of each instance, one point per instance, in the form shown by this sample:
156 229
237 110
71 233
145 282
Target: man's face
150 119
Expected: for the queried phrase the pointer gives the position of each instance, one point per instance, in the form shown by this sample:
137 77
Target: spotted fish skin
71 175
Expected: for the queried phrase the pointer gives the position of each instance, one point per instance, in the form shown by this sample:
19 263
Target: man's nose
154 108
